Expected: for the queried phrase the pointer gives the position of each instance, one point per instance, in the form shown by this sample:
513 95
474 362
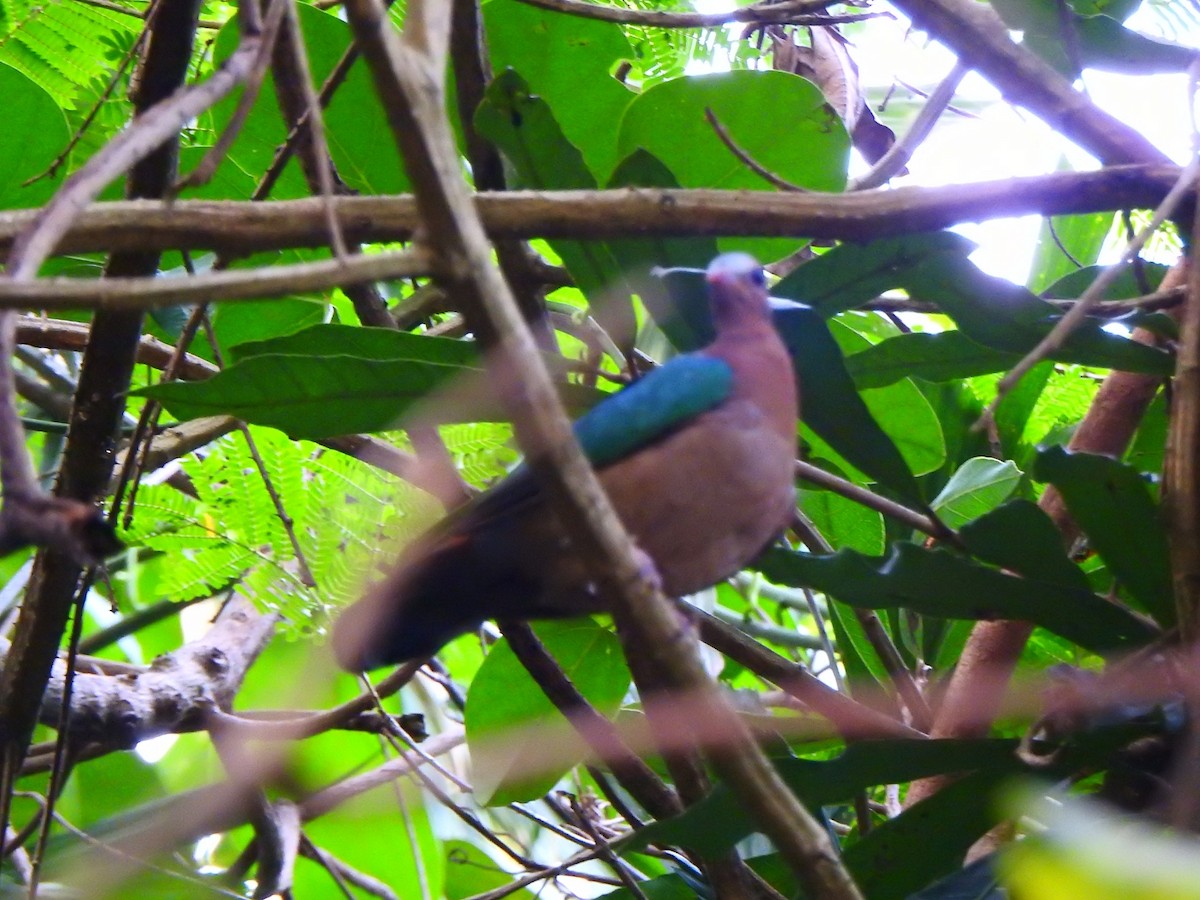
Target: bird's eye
758 277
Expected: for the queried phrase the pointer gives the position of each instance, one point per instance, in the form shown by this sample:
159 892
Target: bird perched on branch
696 457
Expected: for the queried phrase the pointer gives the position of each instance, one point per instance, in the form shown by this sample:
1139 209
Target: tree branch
175 694
408 76
980 39
239 228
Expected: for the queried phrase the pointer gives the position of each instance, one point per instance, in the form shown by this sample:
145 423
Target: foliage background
899 359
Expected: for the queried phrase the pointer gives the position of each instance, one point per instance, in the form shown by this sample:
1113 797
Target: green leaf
567 60
1019 536
946 356
1016 408
1126 286
356 129
521 123
505 704
851 274
1004 316
243 323
1111 502
927 840
1064 243
938 583
1107 44
833 408
668 121
34 133
679 304
368 343
338 379
843 522
716 823
1081 38
976 487
470 871
523 126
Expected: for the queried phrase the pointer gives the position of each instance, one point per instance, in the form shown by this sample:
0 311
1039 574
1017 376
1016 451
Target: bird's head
737 287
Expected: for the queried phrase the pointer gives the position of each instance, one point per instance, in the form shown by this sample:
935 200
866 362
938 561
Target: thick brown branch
802 12
980 39
174 695
245 227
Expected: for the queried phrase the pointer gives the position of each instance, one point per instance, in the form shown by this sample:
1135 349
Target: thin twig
225 286
898 155
207 167
1054 339
749 161
871 500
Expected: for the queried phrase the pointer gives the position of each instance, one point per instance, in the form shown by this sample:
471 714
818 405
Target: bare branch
239 228
174 695
981 40
788 12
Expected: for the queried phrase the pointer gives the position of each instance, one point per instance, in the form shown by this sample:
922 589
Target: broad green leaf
1081 36
1080 236
1004 316
361 380
668 121
34 133
1019 536
1104 43
843 522
360 141
945 356
834 409
860 659
689 884
504 704
1146 451
243 323
939 583
851 274
470 871
928 840
678 303
369 343
567 60
365 833
1112 504
975 881
523 126
521 123
976 487
1126 287
108 787
1017 407
716 823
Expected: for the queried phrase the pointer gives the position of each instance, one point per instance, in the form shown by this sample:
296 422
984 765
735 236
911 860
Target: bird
697 458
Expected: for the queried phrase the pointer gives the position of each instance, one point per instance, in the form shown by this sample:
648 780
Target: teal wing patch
651 407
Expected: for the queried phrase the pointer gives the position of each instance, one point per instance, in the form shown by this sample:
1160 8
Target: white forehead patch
733 264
